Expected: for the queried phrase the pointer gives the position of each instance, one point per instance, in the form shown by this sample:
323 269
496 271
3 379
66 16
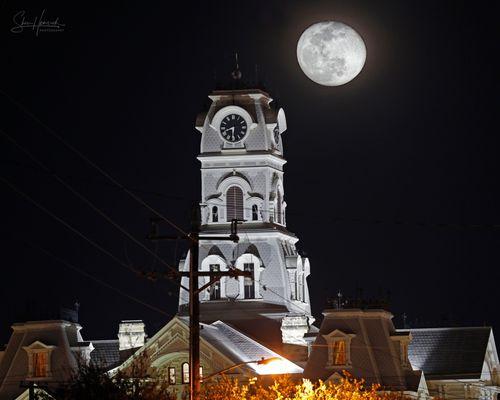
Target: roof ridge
450 328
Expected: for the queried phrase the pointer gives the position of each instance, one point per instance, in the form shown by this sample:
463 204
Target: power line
85 200
66 224
310 211
93 165
105 284
90 181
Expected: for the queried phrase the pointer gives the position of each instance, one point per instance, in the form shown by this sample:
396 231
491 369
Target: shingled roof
241 348
449 353
105 354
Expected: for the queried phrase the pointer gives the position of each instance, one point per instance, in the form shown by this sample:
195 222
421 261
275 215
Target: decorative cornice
32 325
356 313
248 156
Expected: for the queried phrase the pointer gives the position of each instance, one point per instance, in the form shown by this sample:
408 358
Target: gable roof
451 353
234 346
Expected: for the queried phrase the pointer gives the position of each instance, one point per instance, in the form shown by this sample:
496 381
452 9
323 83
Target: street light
263 361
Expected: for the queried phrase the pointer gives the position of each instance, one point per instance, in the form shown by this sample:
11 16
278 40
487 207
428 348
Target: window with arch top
185 372
215 288
234 203
215 214
278 207
248 283
255 212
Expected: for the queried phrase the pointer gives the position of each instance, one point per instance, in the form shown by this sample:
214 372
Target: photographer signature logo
37 24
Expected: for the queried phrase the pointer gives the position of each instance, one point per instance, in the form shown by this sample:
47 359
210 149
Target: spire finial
339 300
236 74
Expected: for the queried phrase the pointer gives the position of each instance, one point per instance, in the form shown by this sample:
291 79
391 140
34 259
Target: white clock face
233 128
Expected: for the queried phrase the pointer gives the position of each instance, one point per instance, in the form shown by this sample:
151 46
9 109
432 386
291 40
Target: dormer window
215 214
39 360
339 349
339 355
404 341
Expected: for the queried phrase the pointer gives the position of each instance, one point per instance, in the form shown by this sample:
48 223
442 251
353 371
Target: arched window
185 372
278 207
248 282
215 214
255 213
215 288
303 283
234 202
300 287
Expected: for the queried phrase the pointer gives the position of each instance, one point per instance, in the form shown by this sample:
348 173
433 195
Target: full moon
331 53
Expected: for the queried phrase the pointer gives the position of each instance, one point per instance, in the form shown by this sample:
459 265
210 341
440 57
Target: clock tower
242 177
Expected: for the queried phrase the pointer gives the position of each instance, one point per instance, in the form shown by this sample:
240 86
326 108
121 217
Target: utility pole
194 309
31 388
194 274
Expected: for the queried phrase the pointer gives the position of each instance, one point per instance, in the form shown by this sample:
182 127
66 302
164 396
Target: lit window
185 372
215 288
234 202
255 213
248 281
338 352
215 214
39 360
171 375
201 371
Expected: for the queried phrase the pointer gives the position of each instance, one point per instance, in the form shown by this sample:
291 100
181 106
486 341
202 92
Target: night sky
391 181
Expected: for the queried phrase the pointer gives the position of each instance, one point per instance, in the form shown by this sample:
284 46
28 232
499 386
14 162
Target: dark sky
413 138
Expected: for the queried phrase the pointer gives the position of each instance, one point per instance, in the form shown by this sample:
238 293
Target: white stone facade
245 179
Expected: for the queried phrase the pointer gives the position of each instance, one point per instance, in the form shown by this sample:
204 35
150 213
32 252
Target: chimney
131 334
293 329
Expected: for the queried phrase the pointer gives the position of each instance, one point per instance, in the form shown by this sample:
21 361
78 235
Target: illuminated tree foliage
286 389
91 382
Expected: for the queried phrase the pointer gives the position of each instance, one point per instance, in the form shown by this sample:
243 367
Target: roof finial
339 300
236 74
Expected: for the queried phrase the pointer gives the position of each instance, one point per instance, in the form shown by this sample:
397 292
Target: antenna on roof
405 323
339 300
236 74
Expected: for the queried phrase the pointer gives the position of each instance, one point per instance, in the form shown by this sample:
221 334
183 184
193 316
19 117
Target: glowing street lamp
271 364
